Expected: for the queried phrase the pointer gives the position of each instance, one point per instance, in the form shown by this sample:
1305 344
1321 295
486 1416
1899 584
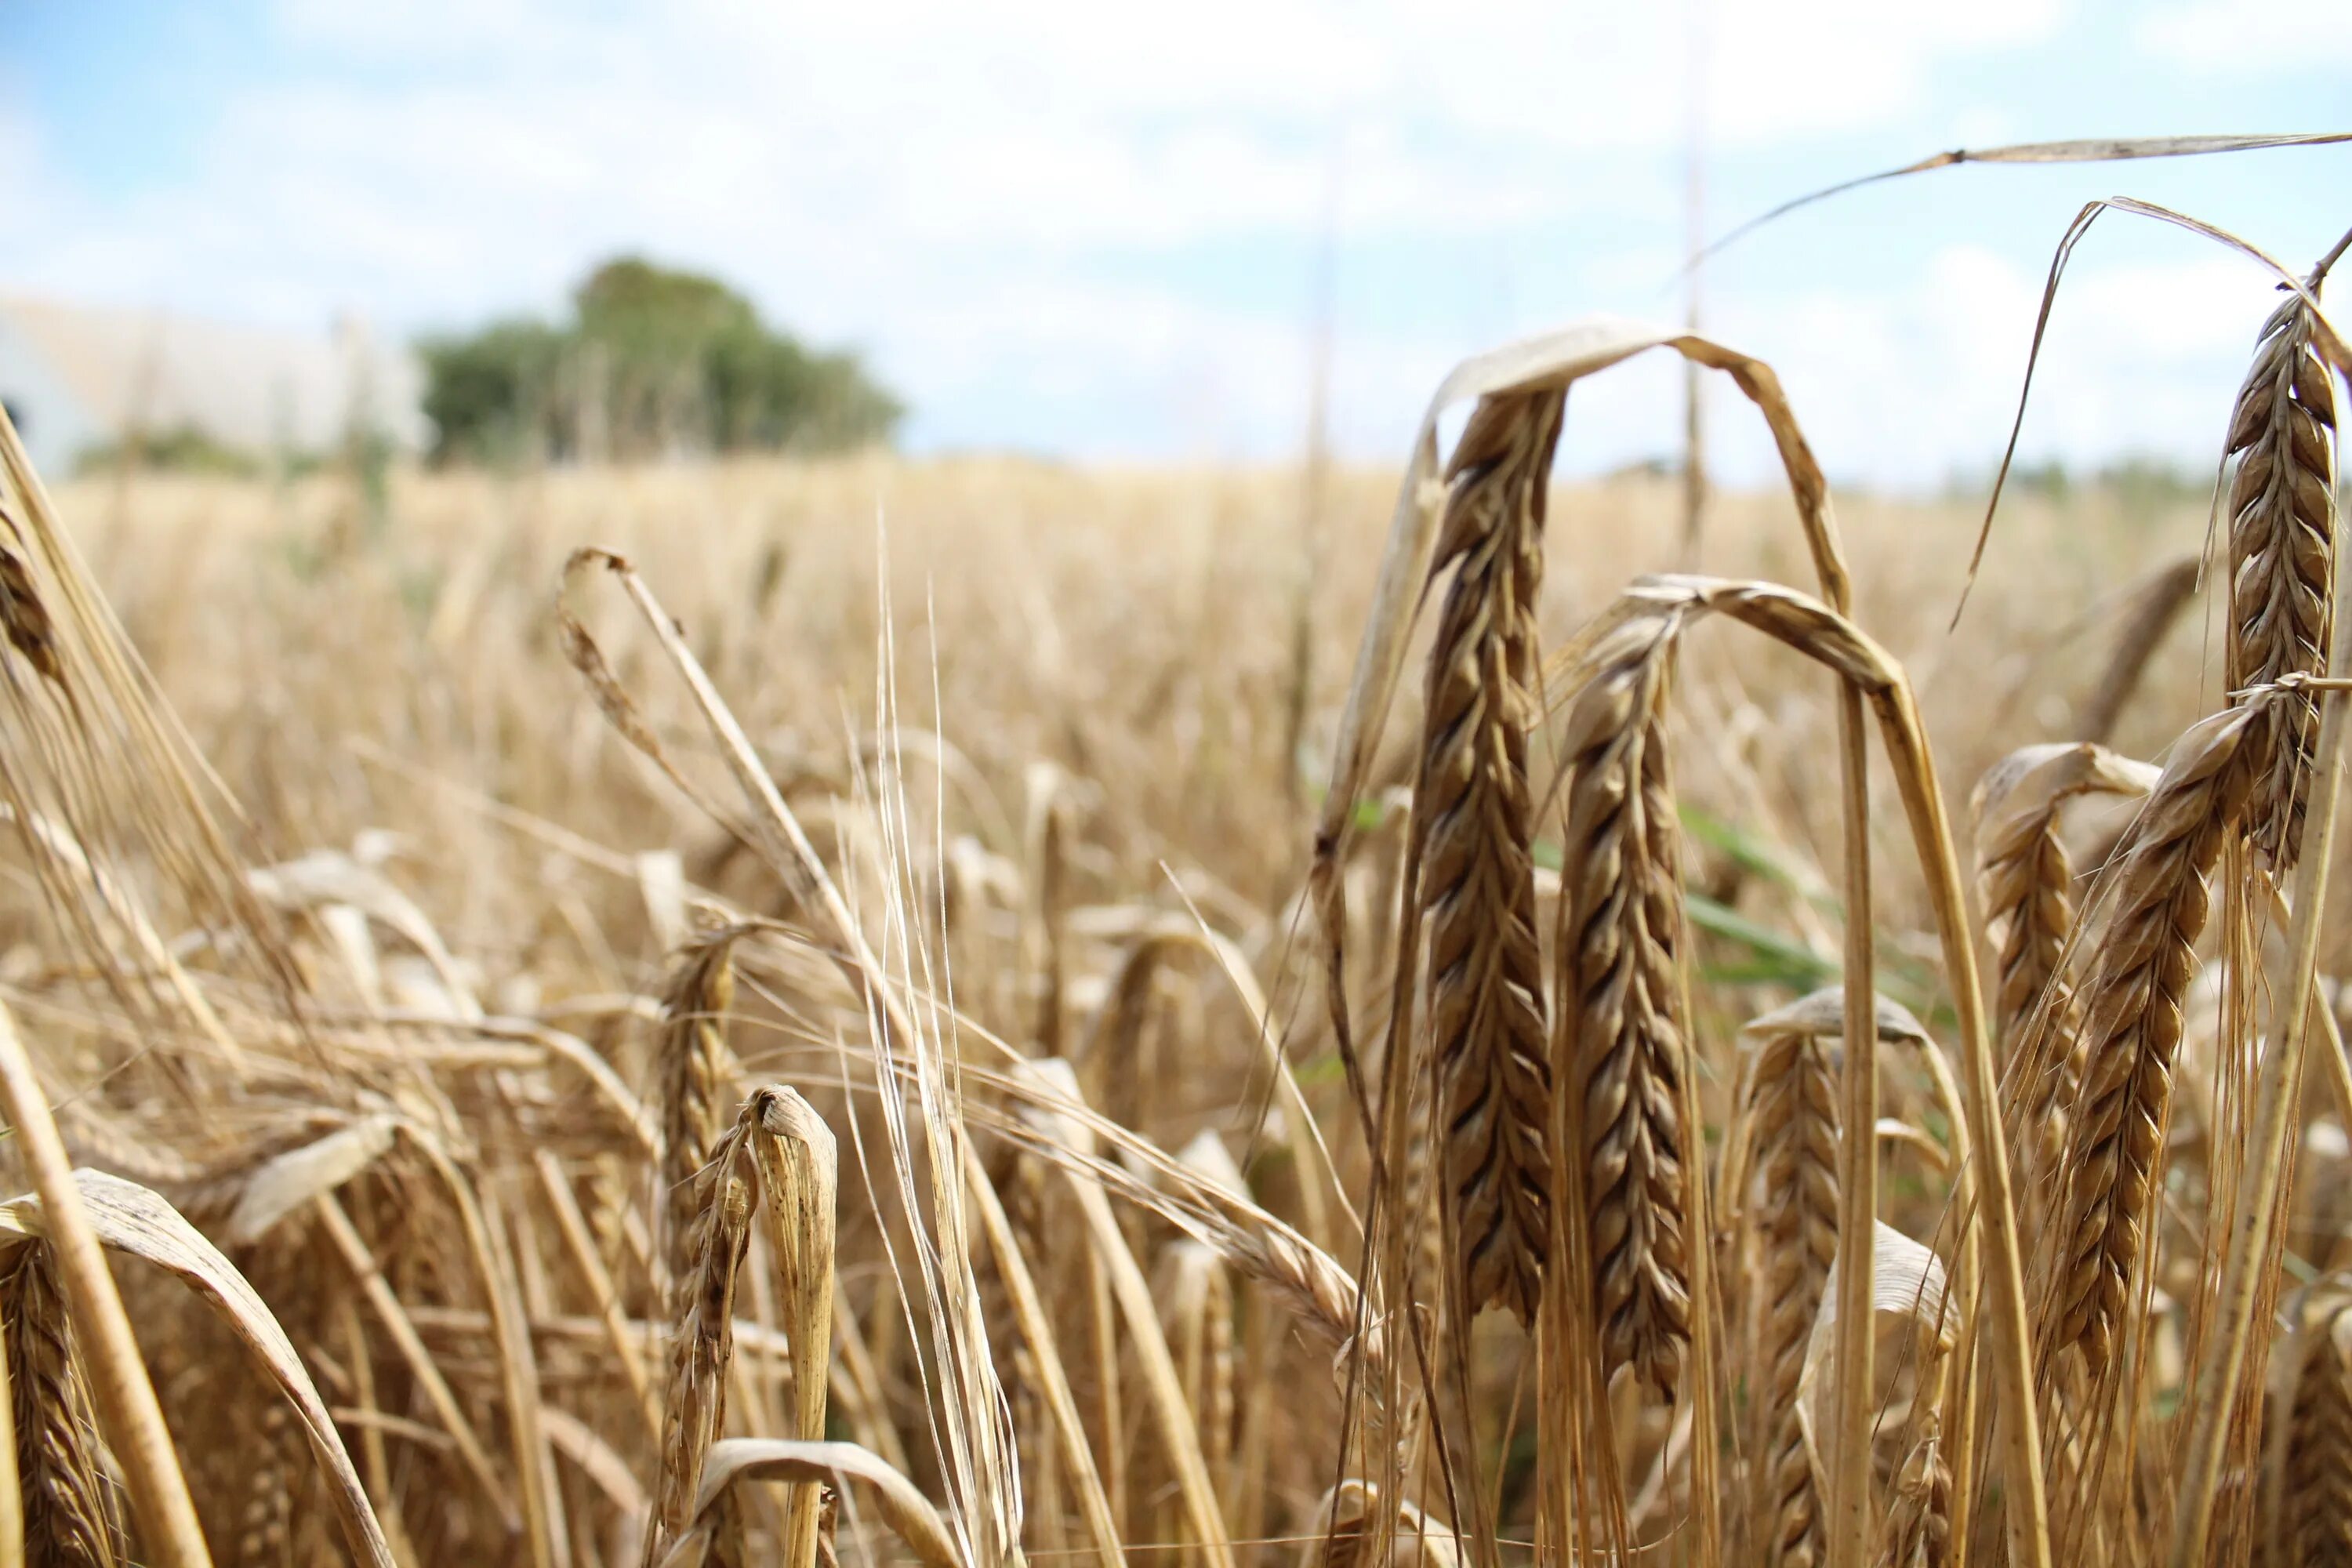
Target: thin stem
1850 1532
2003 1287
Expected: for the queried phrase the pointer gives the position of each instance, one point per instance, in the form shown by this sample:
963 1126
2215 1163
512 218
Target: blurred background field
1135 628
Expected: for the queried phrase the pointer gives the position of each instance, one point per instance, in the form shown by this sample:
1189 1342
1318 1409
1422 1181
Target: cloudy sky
1093 229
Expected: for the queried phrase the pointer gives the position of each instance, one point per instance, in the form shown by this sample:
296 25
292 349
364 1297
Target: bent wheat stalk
1871 675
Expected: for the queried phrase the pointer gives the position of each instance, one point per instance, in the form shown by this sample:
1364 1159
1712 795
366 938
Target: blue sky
1090 230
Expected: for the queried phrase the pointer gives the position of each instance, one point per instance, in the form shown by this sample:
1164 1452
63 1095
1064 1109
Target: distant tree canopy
653 362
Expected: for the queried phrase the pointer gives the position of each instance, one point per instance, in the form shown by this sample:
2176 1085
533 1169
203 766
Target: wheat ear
2132 1027
70 1516
2318 1464
1486 965
2281 559
2026 879
694 1068
702 1343
1622 1043
1796 1133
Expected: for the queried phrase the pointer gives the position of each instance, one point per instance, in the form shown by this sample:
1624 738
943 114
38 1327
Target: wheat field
972 1011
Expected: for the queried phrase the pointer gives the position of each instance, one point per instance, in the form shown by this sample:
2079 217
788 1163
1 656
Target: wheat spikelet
1919 1533
2282 558
1622 1046
1486 966
2132 1027
2318 1459
70 1515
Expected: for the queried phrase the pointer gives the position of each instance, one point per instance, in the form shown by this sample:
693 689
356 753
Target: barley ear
2317 1462
69 1512
1795 1121
2282 560
1621 1046
693 1068
2132 1025
1485 963
702 1344
2025 879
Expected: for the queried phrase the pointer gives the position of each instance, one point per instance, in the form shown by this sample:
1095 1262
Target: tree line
653 363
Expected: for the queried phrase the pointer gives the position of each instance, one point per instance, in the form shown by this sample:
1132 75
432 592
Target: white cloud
2242 35
1921 379
1008 203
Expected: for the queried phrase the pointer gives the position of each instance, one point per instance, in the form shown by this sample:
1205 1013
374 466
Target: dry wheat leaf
2096 149
901 1504
280 1186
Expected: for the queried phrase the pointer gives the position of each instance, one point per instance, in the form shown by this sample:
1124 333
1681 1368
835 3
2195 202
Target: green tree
653 361
491 396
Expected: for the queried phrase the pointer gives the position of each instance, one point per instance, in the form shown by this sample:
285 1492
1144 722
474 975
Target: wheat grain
1486 966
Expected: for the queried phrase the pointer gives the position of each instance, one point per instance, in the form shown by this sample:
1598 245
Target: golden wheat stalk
2283 559
1485 965
1621 1046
